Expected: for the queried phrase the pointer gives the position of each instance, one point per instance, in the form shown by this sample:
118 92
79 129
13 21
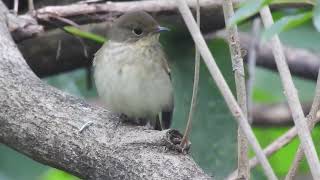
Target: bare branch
104 11
96 11
23 26
237 63
292 97
16 6
252 59
30 5
312 120
42 123
277 114
308 68
222 85
195 87
276 145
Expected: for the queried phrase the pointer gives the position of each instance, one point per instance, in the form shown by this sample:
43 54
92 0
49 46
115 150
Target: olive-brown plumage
131 71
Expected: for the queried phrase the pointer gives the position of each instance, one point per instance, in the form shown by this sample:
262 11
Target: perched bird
131 72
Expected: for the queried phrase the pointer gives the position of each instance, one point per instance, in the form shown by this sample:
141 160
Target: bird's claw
175 139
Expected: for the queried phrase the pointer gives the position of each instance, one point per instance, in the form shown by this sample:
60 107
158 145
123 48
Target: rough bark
42 123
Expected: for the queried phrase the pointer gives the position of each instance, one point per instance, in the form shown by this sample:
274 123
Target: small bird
131 72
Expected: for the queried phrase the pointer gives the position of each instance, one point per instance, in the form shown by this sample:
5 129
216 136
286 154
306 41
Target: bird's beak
162 29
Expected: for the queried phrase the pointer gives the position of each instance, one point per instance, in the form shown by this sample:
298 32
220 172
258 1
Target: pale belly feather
139 90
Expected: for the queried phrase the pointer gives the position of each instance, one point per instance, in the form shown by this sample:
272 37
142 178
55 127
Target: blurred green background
213 135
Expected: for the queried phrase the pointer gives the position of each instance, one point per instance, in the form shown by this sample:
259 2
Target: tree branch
312 120
42 123
223 86
251 61
195 87
40 52
277 144
239 75
84 13
308 68
292 97
274 114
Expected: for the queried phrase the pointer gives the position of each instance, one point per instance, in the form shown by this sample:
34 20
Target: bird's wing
98 54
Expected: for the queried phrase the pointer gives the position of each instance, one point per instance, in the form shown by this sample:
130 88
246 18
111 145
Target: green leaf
55 174
83 34
247 9
311 2
285 23
316 16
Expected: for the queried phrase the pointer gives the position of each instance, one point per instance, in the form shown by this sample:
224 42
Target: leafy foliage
54 174
286 23
251 7
83 34
247 9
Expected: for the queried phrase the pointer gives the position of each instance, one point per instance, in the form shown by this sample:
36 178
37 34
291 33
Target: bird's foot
174 138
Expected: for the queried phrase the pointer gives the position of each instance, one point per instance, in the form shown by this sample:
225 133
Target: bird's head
134 26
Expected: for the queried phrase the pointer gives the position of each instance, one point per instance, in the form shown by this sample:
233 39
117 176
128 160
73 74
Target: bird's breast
131 80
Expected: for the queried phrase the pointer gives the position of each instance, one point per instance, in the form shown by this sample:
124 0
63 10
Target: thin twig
67 21
237 63
30 5
58 54
74 24
223 87
312 120
250 82
252 57
277 144
16 6
195 87
292 97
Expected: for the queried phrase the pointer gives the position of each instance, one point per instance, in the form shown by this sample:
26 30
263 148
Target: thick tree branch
84 13
40 52
274 114
301 62
42 123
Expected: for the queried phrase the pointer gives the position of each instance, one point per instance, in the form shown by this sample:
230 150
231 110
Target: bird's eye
137 31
